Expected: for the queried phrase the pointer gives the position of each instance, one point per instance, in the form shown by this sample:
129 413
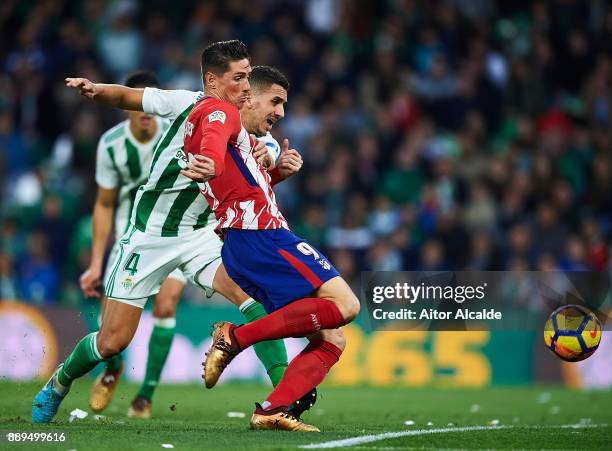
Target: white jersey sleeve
107 174
273 147
167 103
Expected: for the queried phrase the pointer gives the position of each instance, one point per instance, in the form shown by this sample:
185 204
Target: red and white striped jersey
241 193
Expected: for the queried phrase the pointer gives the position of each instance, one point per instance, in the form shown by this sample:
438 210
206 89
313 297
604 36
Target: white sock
57 387
265 405
246 304
164 323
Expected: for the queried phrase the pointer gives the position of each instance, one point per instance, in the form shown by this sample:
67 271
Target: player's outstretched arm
117 96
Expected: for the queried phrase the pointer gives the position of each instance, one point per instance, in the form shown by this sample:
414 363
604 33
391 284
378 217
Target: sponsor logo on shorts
217 116
324 264
128 283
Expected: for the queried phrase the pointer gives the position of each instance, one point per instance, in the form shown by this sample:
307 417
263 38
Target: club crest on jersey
217 116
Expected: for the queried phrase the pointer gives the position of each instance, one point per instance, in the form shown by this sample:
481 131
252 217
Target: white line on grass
343 443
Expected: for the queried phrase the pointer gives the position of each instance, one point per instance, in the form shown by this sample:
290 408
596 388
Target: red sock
298 319
305 372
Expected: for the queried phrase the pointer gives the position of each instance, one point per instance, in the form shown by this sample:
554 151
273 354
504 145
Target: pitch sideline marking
343 443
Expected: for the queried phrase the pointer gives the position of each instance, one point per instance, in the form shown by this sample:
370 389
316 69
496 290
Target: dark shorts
274 267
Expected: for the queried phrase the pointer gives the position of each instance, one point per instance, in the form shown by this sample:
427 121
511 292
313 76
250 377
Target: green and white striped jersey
169 203
123 162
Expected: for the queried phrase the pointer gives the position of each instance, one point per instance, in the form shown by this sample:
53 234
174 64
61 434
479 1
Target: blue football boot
46 402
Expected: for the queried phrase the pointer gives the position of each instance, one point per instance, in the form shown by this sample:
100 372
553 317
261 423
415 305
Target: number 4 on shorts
132 264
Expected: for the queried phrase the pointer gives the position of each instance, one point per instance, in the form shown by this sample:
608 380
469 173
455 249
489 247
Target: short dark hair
262 77
217 56
142 79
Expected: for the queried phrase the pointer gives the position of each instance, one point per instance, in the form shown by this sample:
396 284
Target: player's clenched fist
290 160
86 88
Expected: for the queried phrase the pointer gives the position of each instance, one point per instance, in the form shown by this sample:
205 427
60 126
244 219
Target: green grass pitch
191 417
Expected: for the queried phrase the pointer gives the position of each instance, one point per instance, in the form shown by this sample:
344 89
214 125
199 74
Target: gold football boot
103 389
278 419
221 352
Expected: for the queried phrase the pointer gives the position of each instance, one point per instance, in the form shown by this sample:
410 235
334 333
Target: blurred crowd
456 134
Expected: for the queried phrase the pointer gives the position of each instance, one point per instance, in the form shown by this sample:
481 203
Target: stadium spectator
39 274
9 289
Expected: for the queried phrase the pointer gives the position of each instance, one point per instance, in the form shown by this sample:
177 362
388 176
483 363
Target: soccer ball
572 332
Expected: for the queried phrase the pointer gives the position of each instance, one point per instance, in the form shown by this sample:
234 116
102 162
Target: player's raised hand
290 160
90 282
199 169
86 88
262 155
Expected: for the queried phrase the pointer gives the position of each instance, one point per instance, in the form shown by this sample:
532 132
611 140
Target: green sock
272 353
114 363
276 372
82 360
159 347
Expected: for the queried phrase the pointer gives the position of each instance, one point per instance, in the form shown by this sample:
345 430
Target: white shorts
177 274
143 261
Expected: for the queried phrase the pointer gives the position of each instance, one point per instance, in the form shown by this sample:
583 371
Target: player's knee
164 308
350 307
338 291
335 337
110 346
